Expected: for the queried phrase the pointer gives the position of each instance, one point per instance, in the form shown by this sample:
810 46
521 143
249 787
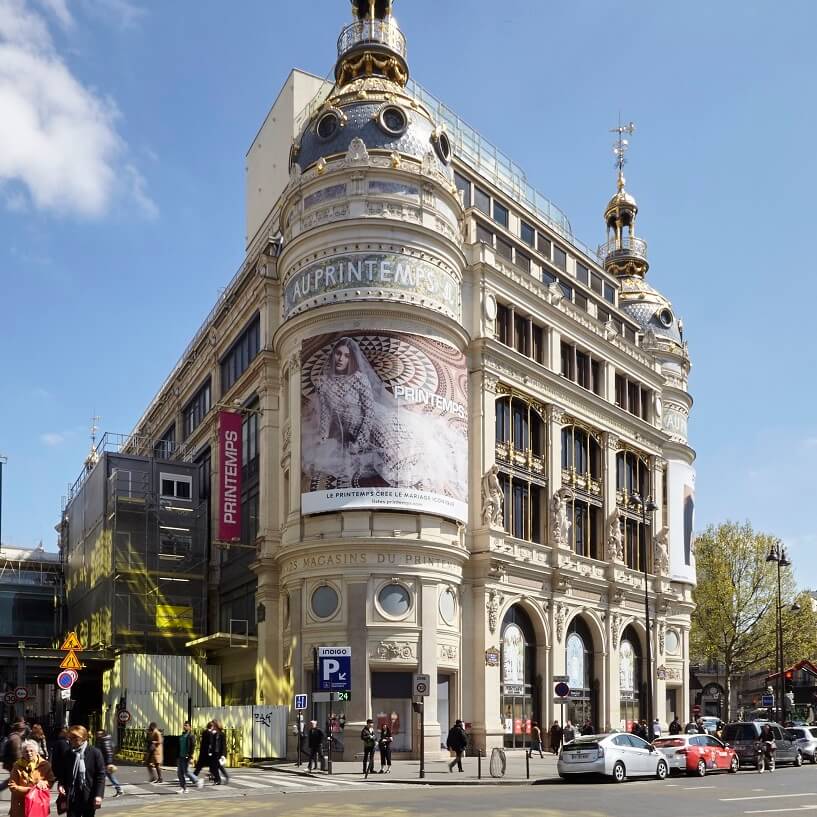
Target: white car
806 738
618 755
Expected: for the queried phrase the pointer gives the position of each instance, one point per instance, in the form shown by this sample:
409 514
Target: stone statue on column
615 538
559 523
661 552
492 499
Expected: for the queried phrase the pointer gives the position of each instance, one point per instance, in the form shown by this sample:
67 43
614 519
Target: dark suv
744 736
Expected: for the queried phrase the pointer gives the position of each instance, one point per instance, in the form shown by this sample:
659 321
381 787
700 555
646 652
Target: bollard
527 765
479 764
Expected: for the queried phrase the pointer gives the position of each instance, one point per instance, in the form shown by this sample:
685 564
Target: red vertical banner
229 469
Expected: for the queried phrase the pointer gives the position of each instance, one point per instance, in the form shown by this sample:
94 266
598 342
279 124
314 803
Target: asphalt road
784 792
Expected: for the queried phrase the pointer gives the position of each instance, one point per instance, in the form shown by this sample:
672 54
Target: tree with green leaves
735 617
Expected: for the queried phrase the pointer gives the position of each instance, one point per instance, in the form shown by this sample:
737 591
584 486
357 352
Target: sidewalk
436 771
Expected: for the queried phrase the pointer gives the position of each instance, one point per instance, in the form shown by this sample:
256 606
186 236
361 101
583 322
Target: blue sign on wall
767 700
300 702
335 668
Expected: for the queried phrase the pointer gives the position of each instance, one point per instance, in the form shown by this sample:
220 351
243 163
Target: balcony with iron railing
627 247
372 32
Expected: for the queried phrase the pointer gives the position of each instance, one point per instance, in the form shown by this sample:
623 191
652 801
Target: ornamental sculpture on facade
357 153
492 606
615 626
390 650
492 498
559 523
561 616
661 552
615 538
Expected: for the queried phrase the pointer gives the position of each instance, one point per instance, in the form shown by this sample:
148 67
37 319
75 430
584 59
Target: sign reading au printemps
372 276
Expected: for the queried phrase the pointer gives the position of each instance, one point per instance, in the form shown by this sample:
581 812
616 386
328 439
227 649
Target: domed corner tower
374 390
625 256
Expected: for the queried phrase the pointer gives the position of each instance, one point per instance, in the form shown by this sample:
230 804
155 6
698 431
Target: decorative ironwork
380 32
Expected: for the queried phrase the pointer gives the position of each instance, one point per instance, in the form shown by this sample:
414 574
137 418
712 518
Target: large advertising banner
681 497
384 424
229 482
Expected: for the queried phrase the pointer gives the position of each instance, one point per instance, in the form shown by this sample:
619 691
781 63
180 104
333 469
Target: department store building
450 407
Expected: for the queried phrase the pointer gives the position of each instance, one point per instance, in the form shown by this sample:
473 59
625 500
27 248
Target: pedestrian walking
568 733
314 740
691 728
701 728
369 742
154 752
587 728
12 751
204 748
456 742
675 727
555 737
81 777
218 754
384 744
535 740
31 771
38 736
186 741
656 730
105 745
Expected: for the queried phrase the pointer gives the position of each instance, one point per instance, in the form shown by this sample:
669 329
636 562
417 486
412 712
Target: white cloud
58 139
52 438
123 13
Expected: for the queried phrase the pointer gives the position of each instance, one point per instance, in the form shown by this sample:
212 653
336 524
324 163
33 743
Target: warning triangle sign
70 661
71 642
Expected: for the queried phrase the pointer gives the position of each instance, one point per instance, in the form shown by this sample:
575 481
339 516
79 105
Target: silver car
806 738
618 755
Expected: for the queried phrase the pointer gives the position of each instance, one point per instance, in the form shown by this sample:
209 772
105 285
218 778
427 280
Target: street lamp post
647 506
777 554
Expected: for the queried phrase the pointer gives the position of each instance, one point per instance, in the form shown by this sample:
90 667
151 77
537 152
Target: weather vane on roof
621 144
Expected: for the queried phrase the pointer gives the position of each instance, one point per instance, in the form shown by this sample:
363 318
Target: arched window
519 696
582 471
579 669
520 454
629 678
633 476
581 452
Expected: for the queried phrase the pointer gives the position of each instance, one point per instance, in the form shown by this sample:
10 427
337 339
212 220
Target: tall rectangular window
482 201
560 258
500 214
522 261
538 352
527 233
520 326
503 324
484 236
504 249
249 442
241 354
609 293
166 444
543 245
464 187
582 274
595 283
196 409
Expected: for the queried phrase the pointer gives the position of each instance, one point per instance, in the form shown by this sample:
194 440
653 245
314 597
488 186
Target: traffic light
789 679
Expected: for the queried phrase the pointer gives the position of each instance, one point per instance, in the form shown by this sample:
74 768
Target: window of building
464 186
538 337
602 314
484 236
581 368
195 410
633 397
580 300
629 333
504 249
609 293
241 354
595 283
503 324
581 453
174 545
249 441
522 507
249 517
567 290
632 475
522 261
175 486
166 444
325 601
521 339
500 214
559 258
543 245
585 530
527 233
482 201
548 277
582 274
522 334
394 600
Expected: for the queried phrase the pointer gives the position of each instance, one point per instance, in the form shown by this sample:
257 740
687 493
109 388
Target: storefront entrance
519 694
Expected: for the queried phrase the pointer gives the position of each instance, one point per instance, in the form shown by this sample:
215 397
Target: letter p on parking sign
335 668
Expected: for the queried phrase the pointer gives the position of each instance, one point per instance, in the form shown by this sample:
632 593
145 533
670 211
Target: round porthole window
393 120
448 606
394 599
327 125
442 144
672 642
325 601
665 316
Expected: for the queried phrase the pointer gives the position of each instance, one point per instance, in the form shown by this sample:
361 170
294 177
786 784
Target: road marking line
766 797
781 810
250 784
691 788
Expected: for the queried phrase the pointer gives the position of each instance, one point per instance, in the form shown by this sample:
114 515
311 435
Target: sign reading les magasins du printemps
364 276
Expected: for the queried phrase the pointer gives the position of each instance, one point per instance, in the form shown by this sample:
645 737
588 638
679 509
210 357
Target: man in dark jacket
369 743
105 745
204 749
456 741
82 775
186 745
587 728
675 727
314 741
555 737
12 750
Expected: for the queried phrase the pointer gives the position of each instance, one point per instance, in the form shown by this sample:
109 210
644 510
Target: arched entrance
630 674
520 704
580 667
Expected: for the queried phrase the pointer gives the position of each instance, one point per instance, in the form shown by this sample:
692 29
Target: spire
372 45
623 253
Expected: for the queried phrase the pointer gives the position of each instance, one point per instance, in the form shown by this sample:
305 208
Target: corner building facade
451 404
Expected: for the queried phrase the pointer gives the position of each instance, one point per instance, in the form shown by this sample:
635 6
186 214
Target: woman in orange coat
29 772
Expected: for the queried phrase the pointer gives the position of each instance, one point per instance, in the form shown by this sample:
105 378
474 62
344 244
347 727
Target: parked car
618 755
743 736
697 754
710 723
806 738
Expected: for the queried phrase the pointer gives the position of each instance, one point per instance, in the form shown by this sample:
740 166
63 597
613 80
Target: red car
697 754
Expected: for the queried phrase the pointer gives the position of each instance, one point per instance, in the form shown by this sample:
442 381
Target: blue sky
123 128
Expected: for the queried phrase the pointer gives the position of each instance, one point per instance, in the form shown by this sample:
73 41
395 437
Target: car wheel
700 769
813 757
798 759
619 772
734 765
662 771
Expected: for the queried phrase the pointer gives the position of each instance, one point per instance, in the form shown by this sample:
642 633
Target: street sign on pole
123 717
561 679
65 680
65 694
70 661
335 668
421 684
301 702
562 690
20 694
71 643
9 698
767 700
